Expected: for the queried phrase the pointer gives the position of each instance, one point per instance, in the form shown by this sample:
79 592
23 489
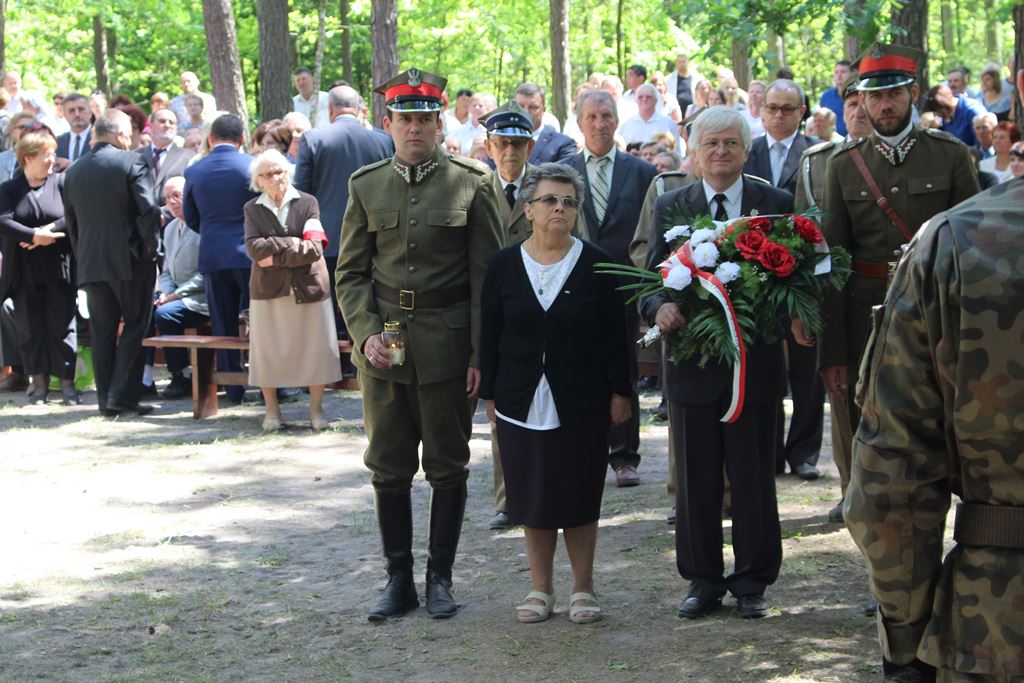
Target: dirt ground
166 549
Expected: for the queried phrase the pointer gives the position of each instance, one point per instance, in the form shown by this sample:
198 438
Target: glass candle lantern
394 339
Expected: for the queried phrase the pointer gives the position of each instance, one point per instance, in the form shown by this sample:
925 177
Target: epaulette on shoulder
849 144
941 135
826 146
472 164
369 167
672 174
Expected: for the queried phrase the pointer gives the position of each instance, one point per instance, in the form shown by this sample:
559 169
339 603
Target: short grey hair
345 97
559 173
110 123
676 160
715 120
596 96
649 86
829 115
269 157
786 85
529 90
987 117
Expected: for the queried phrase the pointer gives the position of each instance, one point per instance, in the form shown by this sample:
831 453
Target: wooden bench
206 378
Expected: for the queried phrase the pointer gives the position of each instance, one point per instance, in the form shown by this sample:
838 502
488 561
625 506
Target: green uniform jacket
943 414
936 175
436 234
810 180
515 227
662 183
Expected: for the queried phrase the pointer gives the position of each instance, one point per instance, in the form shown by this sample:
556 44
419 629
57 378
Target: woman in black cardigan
37 272
555 375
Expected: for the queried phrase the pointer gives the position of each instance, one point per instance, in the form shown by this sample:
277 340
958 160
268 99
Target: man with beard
879 190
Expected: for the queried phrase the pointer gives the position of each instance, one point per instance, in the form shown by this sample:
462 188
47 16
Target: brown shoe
626 476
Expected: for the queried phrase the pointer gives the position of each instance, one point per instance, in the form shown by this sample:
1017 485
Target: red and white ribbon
684 257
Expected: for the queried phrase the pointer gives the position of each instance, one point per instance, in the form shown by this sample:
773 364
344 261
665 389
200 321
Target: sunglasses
550 200
1019 153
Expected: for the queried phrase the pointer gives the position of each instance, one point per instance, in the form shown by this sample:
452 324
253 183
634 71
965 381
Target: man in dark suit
164 158
698 397
549 144
216 189
775 156
616 184
328 157
75 142
113 221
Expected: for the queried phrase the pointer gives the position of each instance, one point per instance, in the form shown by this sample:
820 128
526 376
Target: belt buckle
406 295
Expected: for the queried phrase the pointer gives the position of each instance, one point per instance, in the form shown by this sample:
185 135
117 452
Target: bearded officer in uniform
810 189
942 387
417 235
879 190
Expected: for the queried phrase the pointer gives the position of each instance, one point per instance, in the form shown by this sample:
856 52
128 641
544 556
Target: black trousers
746 448
45 318
803 442
227 295
624 439
118 363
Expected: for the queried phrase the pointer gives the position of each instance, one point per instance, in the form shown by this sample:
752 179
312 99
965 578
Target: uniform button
381 226
413 200
928 185
448 221
412 221
410 316
412 246
412 269
895 190
863 193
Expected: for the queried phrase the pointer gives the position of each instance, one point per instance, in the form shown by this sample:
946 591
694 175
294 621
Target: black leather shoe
399 597
499 521
671 518
148 391
440 603
751 606
178 388
807 472
835 515
695 606
115 409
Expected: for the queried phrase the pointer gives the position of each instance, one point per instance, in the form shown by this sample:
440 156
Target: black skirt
554 479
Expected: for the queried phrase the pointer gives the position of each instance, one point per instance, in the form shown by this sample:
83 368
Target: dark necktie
157 153
720 213
510 195
78 148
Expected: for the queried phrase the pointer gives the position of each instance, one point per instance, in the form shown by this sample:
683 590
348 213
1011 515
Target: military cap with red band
887 66
413 90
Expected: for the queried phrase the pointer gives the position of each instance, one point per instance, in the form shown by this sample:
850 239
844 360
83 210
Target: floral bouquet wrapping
736 284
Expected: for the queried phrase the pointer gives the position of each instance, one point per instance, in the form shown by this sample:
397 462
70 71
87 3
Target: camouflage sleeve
900 489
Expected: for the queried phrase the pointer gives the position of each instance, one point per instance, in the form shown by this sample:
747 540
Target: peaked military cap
849 86
887 66
413 90
509 120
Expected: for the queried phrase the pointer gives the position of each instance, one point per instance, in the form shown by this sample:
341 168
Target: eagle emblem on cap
877 52
414 77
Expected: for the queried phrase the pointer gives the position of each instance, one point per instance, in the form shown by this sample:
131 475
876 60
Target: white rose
705 255
702 235
678 278
675 232
727 272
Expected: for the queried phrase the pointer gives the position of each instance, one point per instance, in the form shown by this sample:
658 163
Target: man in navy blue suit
216 189
698 397
549 144
616 186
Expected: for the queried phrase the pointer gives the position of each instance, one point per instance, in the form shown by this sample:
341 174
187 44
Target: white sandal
575 610
540 612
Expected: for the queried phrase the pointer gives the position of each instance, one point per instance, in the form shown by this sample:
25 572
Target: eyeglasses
729 144
550 200
786 109
272 173
1019 153
172 195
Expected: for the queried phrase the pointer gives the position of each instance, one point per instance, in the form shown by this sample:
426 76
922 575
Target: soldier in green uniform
943 396
810 188
417 235
879 189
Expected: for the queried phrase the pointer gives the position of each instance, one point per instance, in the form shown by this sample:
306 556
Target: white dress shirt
305 107
733 198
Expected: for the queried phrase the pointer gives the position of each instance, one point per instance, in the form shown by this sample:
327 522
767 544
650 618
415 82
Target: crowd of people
455 247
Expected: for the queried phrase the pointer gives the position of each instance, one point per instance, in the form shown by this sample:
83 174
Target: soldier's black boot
394 516
447 506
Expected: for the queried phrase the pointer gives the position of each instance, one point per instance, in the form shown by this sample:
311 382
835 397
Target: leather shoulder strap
883 203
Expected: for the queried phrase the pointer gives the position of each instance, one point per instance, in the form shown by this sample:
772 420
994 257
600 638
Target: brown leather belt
408 300
870 269
1000 526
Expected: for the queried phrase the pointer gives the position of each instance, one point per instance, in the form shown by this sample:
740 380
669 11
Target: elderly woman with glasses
293 341
555 376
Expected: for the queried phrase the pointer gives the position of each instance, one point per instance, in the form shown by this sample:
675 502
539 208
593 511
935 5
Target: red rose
759 223
806 228
750 243
777 259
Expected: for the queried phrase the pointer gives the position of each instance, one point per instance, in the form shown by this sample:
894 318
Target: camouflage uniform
942 414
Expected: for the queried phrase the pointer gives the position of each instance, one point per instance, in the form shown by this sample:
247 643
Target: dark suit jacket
110 213
631 177
759 162
687 382
519 341
216 189
20 212
552 146
327 158
64 144
172 164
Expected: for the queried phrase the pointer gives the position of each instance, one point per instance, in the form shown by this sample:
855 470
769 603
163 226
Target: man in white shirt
682 82
647 122
75 142
22 99
624 109
309 102
190 86
472 130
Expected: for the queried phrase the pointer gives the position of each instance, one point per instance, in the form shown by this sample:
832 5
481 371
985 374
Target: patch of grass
121 538
272 557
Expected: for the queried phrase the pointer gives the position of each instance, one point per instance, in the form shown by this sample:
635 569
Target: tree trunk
948 42
561 85
222 51
384 45
3 36
1018 60
992 33
618 43
346 42
275 64
910 27
775 56
741 60
318 59
99 55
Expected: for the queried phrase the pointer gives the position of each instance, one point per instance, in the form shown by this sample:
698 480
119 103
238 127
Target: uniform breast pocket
384 226
447 229
447 218
856 193
928 184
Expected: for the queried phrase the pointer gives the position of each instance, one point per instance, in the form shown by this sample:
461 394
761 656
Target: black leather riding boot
447 506
394 516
